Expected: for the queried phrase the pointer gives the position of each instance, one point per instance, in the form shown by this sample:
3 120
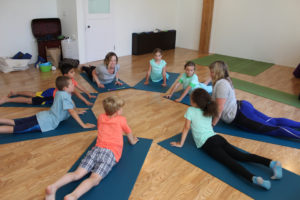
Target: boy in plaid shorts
104 155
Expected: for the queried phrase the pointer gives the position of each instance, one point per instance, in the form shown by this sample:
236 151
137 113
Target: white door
99 29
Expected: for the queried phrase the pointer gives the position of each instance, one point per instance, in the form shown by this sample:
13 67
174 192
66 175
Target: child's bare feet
3 100
70 197
50 193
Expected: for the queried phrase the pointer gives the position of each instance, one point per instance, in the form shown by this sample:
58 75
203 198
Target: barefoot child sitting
158 69
189 81
48 120
106 153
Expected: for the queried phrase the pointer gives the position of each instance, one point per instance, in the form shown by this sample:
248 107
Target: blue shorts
44 97
27 124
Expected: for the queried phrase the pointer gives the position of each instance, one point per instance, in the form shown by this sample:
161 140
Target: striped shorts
98 160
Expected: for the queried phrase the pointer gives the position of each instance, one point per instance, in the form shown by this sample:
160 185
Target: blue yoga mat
77 101
285 188
117 185
224 128
156 86
185 100
108 87
65 127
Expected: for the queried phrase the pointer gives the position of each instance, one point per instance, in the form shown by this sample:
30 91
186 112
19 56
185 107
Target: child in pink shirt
106 153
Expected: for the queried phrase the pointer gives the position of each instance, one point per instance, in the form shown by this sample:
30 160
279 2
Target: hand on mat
132 139
100 85
118 83
80 112
168 96
88 103
91 96
178 100
88 125
164 85
135 140
146 83
176 144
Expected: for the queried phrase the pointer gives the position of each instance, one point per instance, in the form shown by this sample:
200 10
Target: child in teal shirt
158 69
189 81
199 119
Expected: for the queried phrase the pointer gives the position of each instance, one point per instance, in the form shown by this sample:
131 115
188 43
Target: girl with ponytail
199 118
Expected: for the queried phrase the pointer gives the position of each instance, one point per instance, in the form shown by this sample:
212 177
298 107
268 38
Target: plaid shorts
98 160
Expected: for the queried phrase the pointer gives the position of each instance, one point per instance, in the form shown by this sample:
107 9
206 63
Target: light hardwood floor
26 168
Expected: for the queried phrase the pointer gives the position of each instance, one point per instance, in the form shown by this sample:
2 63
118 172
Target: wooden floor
26 168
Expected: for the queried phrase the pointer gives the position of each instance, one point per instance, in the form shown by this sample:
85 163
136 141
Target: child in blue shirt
199 119
46 97
44 121
158 69
189 81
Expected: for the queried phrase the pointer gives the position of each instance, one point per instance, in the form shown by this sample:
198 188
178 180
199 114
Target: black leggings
218 148
88 71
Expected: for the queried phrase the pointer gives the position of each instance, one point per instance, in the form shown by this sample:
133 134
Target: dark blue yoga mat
108 87
285 188
228 129
65 127
185 100
117 185
156 86
77 101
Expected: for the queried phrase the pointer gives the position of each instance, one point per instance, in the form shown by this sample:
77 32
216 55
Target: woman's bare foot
50 193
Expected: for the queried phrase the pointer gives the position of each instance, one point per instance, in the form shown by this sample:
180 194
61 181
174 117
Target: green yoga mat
266 92
240 65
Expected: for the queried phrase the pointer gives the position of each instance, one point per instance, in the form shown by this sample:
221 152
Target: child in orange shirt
106 153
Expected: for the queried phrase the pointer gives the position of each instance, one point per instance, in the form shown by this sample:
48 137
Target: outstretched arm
164 74
79 87
82 98
75 115
174 87
207 81
220 106
148 75
117 79
185 92
185 131
132 139
99 84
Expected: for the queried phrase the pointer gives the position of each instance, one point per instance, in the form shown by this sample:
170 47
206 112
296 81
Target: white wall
144 15
141 16
188 23
15 23
129 15
67 12
266 30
